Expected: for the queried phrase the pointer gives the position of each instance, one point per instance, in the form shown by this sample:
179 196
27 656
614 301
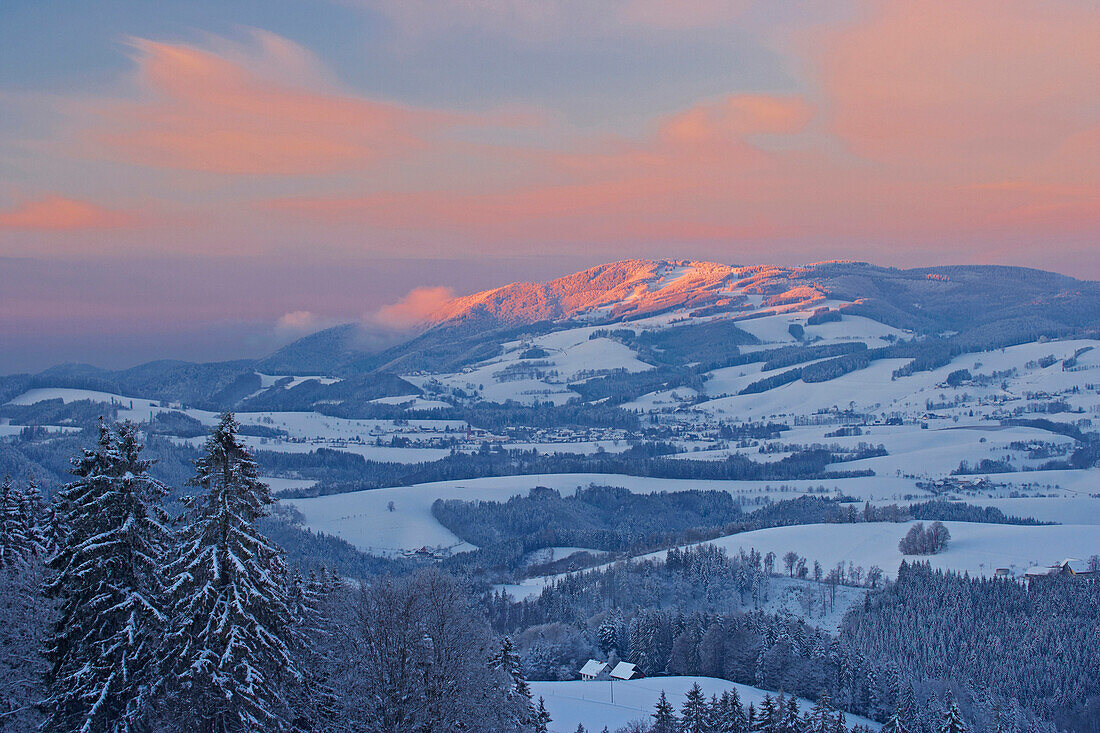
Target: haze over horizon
203 181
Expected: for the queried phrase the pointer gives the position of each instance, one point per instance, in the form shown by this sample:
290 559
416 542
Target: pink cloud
936 83
418 306
266 109
58 213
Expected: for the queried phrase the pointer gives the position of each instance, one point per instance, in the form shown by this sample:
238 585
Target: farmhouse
1069 567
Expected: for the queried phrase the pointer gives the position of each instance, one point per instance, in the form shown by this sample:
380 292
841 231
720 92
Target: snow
411 402
361 517
1066 510
976 548
269 380
286 484
588 702
7 429
553 554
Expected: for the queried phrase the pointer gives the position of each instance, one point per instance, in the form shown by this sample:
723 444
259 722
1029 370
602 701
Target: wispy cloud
265 108
58 213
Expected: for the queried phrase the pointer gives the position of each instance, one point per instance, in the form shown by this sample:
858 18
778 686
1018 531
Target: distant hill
950 310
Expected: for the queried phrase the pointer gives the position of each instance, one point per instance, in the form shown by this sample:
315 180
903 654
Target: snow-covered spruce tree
110 587
952 720
664 717
507 663
733 714
767 716
693 715
15 545
228 651
542 717
821 718
33 510
895 724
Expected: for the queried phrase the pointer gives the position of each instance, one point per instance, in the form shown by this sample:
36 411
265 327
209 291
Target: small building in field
623 671
1070 567
592 669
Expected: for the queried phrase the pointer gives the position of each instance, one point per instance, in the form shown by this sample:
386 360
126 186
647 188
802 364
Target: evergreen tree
952 720
766 717
733 718
33 510
1000 723
111 589
907 708
229 648
897 721
894 724
15 545
789 721
714 715
693 715
542 717
508 664
315 700
607 633
821 718
664 716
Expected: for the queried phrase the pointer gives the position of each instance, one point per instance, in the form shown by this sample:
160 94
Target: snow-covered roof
623 671
1035 570
592 668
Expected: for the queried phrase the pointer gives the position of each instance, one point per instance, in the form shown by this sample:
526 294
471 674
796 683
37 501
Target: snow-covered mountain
659 313
627 290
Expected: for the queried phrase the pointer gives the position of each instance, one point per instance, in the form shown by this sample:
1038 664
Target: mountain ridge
962 306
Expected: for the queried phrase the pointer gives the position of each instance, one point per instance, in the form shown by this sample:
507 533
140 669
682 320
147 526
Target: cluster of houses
1070 567
594 669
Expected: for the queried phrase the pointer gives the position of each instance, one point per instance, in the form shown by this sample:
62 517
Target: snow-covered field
589 702
361 517
978 549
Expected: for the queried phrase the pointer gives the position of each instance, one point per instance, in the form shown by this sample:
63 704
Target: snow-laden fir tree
517 691
789 722
664 717
693 715
896 722
732 719
110 587
33 510
714 714
25 619
767 716
821 718
952 720
15 544
228 649
608 632
542 717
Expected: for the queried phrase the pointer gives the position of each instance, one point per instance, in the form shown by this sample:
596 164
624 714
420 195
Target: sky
206 180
